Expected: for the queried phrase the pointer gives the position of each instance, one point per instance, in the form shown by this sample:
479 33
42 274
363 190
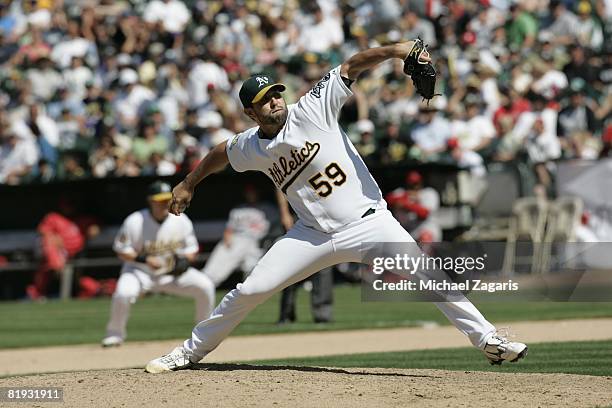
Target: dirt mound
279 346
232 385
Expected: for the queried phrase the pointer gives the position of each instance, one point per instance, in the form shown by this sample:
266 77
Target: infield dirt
234 385
237 385
289 345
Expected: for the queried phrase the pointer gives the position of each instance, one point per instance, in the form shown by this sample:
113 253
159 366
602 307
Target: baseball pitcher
157 249
303 150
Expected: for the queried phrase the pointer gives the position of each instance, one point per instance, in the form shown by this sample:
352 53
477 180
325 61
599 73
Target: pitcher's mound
236 385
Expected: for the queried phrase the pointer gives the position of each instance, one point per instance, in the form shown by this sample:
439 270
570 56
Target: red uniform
61 239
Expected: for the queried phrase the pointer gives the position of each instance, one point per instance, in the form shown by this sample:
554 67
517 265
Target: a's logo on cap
261 81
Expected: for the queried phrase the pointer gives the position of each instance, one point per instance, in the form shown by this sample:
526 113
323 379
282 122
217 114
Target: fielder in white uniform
246 226
339 205
157 249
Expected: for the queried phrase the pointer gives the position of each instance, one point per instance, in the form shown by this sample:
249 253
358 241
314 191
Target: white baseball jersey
248 221
142 234
312 161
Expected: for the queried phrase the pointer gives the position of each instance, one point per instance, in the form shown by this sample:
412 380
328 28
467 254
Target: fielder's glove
181 264
173 265
423 74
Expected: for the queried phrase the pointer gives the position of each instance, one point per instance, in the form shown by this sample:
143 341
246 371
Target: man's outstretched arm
214 161
364 60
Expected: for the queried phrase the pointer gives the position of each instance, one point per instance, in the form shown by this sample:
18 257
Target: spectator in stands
76 78
365 145
73 44
103 160
547 80
45 173
167 16
321 33
203 73
182 141
577 124
18 156
431 131
62 236
158 166
33 52
521 28
526 125
70 168
69 130
392 149
192 127
215 133
41 130
565 24
8 23
148 142
414 26
131 99
542 149
61 101
578 66
484 24
589 32
154 114
162 58
465 158
127 165
512 104
7 49
479 132
44 78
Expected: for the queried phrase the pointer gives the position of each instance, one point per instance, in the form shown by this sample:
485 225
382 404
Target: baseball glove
423 73
173 265
181 264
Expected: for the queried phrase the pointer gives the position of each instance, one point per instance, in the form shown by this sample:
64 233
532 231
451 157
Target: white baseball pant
304 251
134 282
243 252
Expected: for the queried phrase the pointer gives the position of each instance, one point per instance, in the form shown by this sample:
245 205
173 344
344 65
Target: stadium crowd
99 88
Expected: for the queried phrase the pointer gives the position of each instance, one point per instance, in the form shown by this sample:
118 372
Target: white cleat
176 360
499 349
112 341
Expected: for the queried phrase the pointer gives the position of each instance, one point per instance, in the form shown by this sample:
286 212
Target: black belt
369 212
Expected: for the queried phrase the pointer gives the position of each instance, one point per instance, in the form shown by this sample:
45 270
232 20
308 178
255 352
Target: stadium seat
563 217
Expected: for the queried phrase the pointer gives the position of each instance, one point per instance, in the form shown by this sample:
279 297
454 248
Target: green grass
24 324
584 357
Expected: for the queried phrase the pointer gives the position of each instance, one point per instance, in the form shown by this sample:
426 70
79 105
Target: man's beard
277 119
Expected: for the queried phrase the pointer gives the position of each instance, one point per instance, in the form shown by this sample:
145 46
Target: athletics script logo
316 90
292 166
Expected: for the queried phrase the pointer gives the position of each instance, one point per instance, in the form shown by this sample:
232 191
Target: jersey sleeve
240 154
323 102
124 241
232 221
190 242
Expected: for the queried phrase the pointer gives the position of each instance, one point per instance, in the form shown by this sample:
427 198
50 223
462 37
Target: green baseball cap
256 87
160 191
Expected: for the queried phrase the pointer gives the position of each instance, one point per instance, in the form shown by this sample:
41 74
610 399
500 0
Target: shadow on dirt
252 367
